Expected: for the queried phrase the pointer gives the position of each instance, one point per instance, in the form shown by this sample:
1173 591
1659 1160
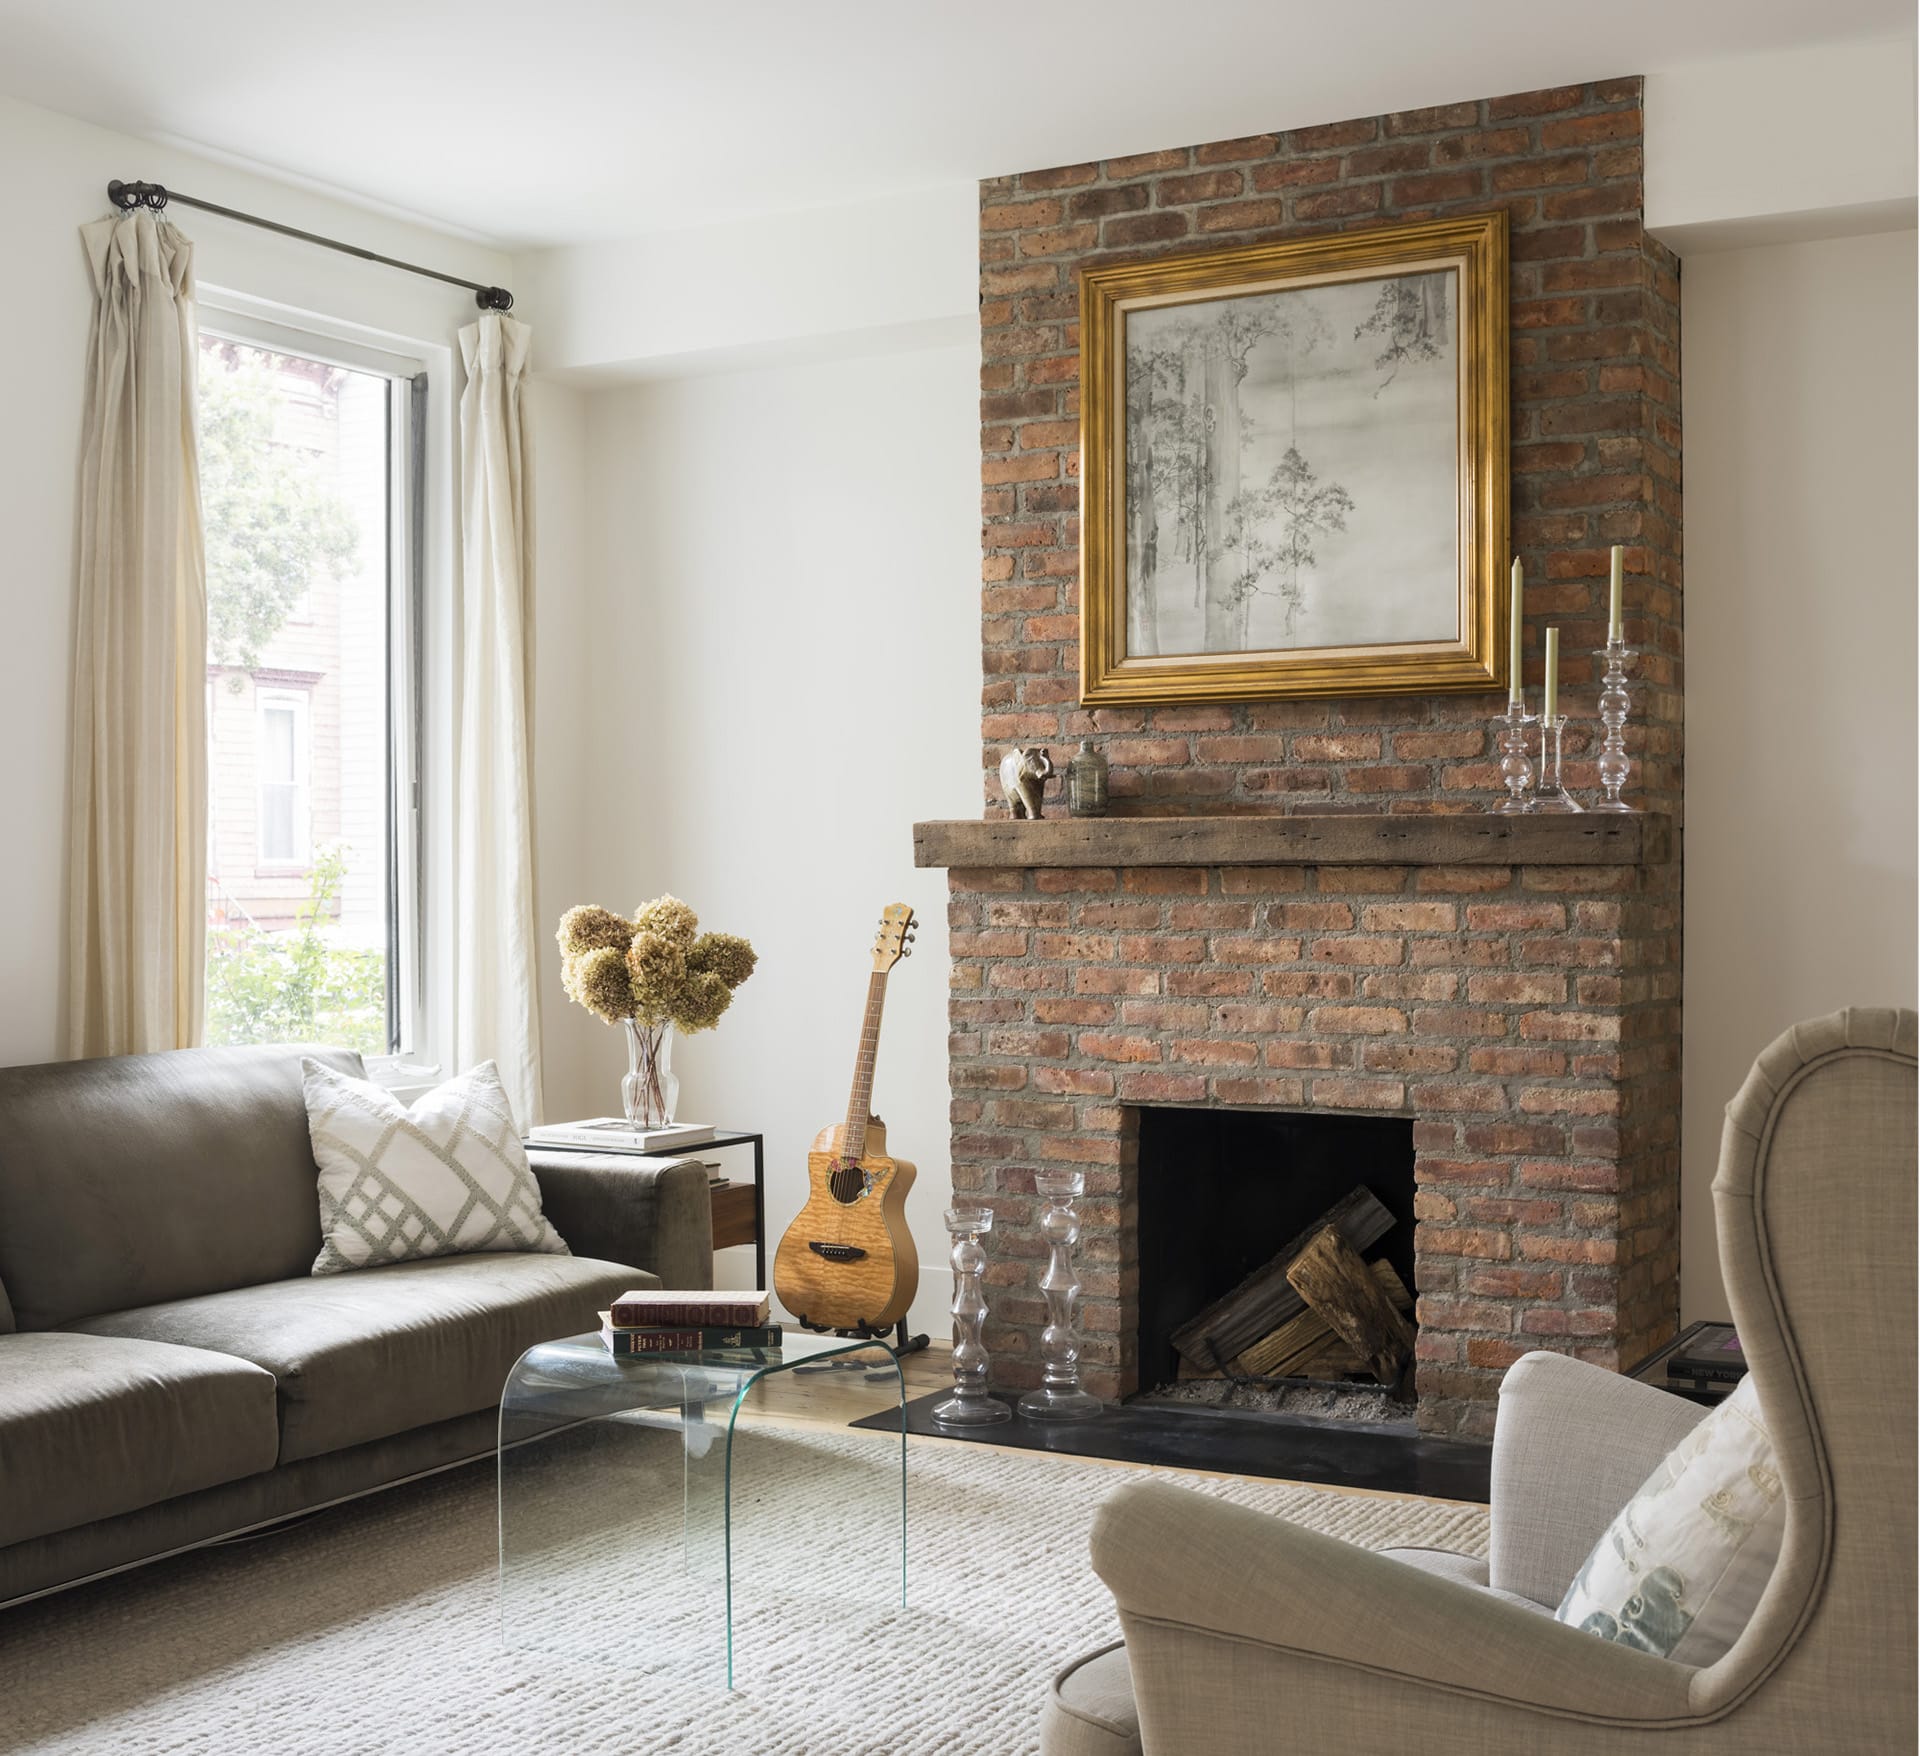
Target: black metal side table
1662 1371
739 1209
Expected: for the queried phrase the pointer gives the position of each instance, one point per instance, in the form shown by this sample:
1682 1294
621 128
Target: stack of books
1709 1358
660 1322
617 1134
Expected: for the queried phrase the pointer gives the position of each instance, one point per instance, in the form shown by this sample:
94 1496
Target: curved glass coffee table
679 1509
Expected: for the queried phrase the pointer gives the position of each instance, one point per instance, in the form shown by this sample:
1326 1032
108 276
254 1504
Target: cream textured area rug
376 1628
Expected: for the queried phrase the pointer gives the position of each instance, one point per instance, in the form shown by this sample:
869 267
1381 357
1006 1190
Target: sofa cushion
92 1426
364 1355
142 1178
1090 1710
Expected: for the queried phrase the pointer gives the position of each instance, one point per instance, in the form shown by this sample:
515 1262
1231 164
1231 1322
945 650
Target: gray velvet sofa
171 1373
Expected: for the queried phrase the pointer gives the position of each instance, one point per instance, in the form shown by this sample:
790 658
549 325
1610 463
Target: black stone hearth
1391 1460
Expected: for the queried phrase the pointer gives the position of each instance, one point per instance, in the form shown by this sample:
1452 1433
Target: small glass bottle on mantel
1087 782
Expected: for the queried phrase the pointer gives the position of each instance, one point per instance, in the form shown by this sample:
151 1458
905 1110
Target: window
282 759
309 462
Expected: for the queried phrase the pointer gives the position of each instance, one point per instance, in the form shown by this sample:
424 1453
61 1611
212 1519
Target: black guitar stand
899 1339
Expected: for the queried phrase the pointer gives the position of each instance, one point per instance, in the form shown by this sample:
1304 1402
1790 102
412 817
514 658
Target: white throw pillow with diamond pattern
447 1178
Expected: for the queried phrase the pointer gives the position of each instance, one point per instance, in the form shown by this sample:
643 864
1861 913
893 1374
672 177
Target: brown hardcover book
648 1309
690 1341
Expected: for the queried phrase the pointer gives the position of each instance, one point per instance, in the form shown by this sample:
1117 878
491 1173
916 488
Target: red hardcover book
648 1309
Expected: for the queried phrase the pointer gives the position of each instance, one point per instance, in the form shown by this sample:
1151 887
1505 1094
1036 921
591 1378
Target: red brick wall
1595 426
1526 1018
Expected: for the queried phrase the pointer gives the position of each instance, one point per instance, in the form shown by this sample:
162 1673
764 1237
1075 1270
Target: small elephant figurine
1023 776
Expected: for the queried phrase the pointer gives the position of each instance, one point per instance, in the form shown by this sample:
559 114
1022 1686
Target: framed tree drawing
1294 462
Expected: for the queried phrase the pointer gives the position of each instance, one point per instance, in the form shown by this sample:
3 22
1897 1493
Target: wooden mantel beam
1382 839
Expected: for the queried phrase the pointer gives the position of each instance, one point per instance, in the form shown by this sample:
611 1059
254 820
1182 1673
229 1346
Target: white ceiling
603 118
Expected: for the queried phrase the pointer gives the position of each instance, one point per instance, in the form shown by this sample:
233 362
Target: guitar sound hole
846 1183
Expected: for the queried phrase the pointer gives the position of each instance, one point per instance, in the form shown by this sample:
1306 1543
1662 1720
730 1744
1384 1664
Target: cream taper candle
1551 708
1613 595
1514 691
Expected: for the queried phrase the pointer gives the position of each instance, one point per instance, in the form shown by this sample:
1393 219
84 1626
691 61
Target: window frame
418 588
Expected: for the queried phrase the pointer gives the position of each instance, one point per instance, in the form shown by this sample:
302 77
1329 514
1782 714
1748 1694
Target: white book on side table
617 1134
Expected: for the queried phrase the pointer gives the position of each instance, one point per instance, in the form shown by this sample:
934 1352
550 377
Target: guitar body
867 1269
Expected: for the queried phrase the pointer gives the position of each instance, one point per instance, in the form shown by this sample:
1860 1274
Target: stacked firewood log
1317 1309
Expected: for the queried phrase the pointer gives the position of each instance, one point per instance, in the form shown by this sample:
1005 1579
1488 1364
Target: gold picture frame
1317 432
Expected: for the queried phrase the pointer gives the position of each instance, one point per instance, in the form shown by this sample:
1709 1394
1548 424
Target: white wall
783 666
1781 146
56 171
899 271
565 747
1798 366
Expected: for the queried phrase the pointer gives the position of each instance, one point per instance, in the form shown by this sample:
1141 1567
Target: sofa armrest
653 1214
1205 1571
1571 1444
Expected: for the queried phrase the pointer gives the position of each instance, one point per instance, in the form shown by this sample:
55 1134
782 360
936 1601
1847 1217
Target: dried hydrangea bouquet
652 973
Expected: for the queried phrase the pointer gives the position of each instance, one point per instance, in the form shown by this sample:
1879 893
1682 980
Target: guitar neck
860 1102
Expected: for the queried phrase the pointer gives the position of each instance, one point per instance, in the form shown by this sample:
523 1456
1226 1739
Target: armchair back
1815 1203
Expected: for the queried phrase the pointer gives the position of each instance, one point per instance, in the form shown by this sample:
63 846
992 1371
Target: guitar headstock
895 938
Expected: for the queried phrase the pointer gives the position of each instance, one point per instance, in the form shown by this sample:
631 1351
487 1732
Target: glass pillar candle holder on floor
1059 1397
1615 765
1516 771
970 1405
1551 795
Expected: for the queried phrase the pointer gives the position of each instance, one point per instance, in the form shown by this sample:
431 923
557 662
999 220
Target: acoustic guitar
848 1261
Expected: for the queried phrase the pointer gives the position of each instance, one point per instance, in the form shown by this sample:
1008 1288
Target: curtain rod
127 196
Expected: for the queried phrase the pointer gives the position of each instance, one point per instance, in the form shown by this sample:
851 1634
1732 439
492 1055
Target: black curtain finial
128 196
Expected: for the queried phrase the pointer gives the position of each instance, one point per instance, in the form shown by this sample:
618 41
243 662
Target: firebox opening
1223 1191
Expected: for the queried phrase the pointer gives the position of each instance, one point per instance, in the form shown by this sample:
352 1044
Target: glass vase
650 1093
1087 776
1059 1397
970 1405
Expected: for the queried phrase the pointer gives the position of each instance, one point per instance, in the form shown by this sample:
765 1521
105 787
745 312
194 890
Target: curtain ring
128 196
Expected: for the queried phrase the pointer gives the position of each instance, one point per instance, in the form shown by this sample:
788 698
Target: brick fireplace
1509 986
1511 991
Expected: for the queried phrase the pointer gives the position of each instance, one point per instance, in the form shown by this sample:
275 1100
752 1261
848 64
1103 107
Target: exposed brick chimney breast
1526 1016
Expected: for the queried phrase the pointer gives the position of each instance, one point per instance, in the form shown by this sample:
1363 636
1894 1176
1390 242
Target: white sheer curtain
137 843
497 1005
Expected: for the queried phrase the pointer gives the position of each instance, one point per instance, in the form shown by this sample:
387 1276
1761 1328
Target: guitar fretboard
860 1103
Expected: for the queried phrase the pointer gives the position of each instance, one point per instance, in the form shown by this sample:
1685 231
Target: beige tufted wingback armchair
1249 1636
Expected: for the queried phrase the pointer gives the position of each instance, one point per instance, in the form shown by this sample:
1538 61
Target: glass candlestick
1614 762
969 1405
1552 796
1060 1397
1516 771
